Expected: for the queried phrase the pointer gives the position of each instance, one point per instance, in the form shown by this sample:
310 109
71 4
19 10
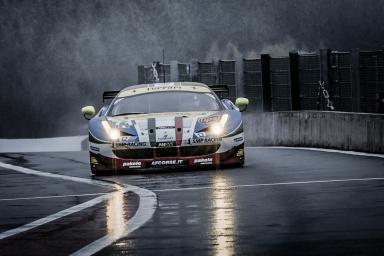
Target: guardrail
322 129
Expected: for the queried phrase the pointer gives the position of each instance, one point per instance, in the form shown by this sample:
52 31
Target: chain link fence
309 77
207 73
341 80
253 83
325 80
280 84
227 76
371 79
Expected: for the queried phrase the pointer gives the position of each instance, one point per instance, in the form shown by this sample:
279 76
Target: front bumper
131 159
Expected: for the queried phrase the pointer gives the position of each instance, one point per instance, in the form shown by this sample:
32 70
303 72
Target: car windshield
158 102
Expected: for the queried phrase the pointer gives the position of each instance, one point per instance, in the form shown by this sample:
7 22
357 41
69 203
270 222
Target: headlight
113 133
218 128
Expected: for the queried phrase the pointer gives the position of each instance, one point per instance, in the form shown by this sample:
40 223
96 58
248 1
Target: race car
183 124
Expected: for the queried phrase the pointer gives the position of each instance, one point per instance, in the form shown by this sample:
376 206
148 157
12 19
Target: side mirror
242 104
88 112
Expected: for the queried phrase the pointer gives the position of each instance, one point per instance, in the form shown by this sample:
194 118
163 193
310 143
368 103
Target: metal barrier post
324 74
355 65
141 74
295 82
266 82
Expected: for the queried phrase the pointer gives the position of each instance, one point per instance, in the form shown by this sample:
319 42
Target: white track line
147 206
55 216
271 184
58 176
49 197
142 215
324 150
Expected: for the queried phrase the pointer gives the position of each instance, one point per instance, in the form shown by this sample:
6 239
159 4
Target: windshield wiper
130 113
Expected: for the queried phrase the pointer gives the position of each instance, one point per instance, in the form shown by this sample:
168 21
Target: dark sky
56 56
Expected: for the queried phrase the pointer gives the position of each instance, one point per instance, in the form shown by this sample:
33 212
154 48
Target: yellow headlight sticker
240 152
94 160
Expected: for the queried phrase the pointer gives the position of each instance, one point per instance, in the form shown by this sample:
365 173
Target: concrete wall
339 130
58 144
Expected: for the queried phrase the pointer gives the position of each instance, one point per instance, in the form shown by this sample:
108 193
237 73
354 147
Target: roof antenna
163 66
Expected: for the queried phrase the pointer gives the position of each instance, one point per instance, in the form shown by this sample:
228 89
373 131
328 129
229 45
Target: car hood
164 126
168 115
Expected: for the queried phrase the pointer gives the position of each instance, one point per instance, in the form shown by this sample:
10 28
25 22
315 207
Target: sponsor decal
165 127
136 164
166 138
200 134
203 161
128 138
167 162
207 140
238 139
94 148
165 135
135 144
164 87
209 119
166 144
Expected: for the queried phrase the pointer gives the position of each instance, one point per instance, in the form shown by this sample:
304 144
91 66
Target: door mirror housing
242 104
229 104
88 112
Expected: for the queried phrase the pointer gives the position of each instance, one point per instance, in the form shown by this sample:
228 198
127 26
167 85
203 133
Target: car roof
160 87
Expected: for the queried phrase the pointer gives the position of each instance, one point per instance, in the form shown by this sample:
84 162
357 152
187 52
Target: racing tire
100 172
95 172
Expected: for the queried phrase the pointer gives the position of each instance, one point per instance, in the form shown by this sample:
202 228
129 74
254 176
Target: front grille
134 153
185 151
198 150
166 152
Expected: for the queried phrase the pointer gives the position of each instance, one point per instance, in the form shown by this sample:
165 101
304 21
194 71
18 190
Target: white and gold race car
165 125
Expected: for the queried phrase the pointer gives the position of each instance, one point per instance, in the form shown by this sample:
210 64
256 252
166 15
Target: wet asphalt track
283 211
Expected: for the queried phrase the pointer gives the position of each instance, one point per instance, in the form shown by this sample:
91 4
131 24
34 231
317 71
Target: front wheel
96 172
103 172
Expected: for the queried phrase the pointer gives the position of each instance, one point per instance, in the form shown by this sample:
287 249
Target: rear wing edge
221 90
109 95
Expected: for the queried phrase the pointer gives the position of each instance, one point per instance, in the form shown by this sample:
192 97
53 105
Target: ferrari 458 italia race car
165 125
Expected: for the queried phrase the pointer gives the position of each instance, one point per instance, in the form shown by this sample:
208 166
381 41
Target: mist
57 56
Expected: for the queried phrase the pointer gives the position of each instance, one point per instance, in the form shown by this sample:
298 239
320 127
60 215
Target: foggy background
57 56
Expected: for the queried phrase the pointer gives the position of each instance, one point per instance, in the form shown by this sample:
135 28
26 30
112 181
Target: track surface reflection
295 202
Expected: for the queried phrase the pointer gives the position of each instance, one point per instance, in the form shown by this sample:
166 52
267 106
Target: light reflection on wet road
210 215
223 226
116 216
